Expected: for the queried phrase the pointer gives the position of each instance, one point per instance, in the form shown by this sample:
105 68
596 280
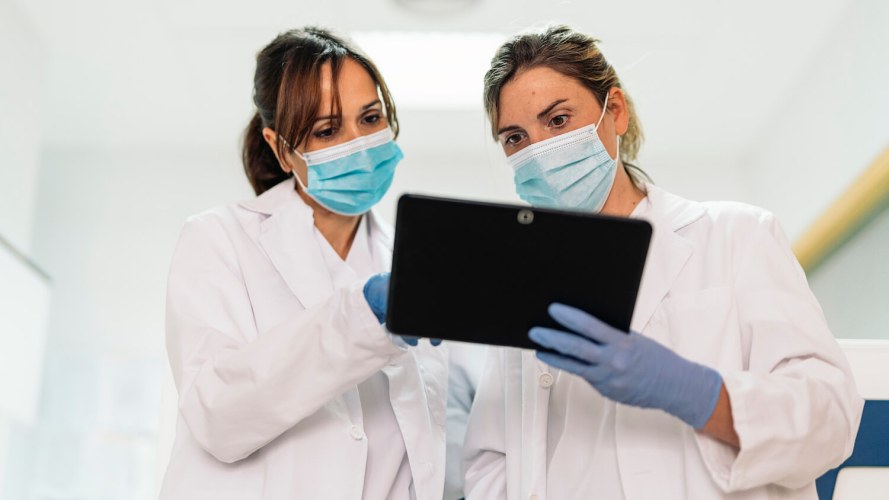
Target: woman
289 387
729 385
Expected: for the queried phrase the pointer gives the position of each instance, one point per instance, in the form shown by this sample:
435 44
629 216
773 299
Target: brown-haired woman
729 385
289 387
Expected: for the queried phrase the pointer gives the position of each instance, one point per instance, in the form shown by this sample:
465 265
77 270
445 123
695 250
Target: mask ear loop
301 157
617 156
602 117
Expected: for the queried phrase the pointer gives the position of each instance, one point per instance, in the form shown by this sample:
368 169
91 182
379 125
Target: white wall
830 127
21 78
105 228
853 284
814 146
24 291
24 304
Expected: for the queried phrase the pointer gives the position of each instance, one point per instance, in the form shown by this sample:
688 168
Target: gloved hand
376 292
630 369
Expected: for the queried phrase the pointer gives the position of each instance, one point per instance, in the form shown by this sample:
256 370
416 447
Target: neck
624 195
339 230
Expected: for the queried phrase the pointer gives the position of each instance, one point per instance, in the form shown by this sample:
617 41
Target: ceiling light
437 6
432 70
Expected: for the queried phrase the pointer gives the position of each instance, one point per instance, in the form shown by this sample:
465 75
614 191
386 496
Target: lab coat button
357 433
532 496
546 380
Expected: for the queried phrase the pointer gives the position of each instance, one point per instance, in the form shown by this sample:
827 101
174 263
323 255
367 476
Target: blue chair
871 446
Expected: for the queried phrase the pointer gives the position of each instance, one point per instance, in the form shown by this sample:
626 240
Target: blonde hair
570 53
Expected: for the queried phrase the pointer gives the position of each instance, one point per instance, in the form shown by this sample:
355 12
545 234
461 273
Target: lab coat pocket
703 326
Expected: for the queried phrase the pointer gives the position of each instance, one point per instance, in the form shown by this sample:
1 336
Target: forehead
532 90
353 82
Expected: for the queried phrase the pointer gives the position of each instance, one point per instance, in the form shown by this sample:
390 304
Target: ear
271 138
617 106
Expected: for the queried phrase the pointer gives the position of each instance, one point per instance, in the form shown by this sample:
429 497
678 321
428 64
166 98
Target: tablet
485 273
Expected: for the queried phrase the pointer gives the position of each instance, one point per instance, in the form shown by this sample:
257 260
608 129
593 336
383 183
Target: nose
535 136
351 131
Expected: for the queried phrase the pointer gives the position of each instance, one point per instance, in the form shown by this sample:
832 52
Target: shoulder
235 218
734 216
218 223
220 230
735 233
206 240
723 216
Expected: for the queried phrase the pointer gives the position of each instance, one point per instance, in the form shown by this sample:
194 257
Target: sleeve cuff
368 321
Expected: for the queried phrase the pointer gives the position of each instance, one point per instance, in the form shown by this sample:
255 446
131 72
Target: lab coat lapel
409 403
286 236
667 253
667 256
415 385
381 241
645 439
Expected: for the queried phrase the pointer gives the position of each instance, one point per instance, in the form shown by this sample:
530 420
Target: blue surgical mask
352 177
572 170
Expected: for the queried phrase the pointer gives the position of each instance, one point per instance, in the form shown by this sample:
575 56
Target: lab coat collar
286 235
273 199
667 253
673 211
282 196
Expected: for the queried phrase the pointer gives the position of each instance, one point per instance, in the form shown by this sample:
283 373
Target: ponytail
260 163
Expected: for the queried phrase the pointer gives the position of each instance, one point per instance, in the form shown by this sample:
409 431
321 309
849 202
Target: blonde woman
729 385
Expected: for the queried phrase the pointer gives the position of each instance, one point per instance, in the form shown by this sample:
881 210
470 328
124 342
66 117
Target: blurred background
119 118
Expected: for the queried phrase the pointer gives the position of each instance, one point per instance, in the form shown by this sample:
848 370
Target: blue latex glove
630 369
376 292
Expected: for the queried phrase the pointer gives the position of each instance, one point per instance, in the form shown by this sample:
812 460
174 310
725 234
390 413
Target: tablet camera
525 216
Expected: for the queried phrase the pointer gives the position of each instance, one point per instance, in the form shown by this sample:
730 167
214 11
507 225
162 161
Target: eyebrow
549 108
540 116
370 105
363 109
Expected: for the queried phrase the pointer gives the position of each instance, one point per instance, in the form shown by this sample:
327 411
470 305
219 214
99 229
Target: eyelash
327 133
508 139
549 124
564 122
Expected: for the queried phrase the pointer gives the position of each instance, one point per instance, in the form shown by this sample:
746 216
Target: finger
412 341
435 342
596 374
566 343
584 323
564 363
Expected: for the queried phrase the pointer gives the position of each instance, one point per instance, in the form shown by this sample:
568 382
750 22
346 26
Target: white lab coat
267 357
465 365
721 287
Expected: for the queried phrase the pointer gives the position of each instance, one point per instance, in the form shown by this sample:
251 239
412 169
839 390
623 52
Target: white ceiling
706 74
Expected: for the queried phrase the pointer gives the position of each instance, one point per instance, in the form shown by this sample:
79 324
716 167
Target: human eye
513 139
325 132
558 121
374 118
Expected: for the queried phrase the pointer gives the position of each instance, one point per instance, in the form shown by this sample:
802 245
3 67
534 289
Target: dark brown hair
570 53
287 94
